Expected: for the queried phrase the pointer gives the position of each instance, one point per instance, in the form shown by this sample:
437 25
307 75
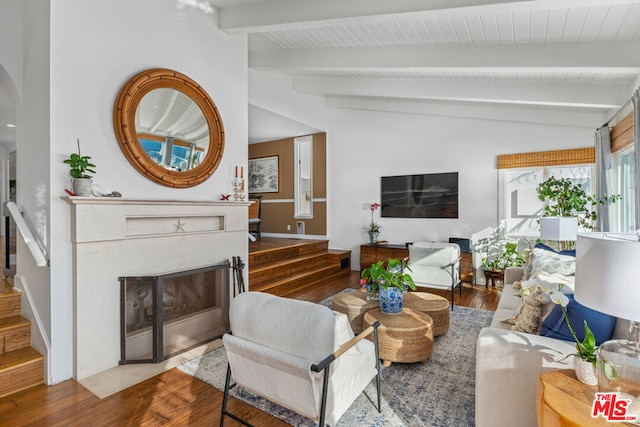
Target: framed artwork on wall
263 175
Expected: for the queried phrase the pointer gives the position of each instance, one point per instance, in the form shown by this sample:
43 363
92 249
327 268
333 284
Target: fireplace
119 237
167 314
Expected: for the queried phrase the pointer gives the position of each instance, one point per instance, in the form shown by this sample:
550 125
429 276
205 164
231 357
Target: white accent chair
298 354
435 265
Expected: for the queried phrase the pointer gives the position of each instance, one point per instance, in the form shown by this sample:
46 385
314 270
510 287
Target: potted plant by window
80 170
390 283
567 207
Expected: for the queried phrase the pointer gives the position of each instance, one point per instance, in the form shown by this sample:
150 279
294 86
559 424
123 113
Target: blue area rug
438 393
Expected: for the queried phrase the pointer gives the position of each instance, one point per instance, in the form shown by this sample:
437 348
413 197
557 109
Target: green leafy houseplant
80 165
508 258
377 276
564 198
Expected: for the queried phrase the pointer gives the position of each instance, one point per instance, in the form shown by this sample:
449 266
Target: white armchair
435 265
298 354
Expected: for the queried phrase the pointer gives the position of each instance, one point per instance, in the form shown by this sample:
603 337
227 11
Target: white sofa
509 363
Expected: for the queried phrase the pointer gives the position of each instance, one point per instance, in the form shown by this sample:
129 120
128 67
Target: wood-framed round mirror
168 128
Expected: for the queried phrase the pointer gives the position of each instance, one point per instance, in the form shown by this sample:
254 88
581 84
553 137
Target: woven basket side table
406 337
434 306
354 305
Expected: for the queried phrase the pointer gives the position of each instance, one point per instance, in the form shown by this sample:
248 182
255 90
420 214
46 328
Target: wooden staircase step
298 280
278 270
15 333
267 256
9 304
20 369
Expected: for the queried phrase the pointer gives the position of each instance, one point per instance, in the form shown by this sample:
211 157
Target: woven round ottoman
354 305
435 306
406 337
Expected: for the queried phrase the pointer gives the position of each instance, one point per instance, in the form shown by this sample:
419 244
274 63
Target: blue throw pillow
569 252
554 325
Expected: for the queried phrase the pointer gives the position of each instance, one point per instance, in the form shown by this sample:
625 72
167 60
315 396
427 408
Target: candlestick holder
238 188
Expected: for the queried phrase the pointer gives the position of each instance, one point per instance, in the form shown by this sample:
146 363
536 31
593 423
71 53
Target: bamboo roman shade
574 156
622 134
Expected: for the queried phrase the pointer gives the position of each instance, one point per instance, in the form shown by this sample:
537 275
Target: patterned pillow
549 262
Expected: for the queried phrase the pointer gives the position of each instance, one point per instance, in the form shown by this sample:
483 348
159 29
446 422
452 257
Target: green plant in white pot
80 170
564 198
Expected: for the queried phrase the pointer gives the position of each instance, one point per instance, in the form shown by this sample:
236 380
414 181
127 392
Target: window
624 185
519 204
172 153
303 177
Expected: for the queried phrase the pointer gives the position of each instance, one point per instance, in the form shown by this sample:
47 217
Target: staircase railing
39 254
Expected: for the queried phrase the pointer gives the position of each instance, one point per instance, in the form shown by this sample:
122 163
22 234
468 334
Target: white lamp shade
608 273
558 228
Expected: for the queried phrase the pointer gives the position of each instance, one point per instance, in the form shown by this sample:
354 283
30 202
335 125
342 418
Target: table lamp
608 280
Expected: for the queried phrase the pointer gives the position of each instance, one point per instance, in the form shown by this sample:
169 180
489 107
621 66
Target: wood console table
564 401
370 254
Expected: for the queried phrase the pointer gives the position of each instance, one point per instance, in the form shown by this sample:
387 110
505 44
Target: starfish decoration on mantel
180 226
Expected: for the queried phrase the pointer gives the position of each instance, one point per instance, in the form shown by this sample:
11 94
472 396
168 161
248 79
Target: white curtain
603 177
635 101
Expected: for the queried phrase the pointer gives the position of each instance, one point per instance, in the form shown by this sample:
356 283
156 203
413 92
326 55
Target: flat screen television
433 195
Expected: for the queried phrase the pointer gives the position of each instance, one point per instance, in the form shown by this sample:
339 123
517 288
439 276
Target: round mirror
168 128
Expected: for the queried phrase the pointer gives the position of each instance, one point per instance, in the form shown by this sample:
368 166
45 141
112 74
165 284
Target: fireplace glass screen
167 314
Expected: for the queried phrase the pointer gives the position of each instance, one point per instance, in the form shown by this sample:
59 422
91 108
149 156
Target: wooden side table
493 276
563 401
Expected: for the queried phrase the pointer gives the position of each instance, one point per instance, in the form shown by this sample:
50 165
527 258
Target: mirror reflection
172 129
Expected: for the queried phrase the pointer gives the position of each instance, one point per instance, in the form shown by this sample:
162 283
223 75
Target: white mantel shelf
77 200
114 237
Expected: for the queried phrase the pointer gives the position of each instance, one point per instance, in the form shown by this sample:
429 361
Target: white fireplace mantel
114 237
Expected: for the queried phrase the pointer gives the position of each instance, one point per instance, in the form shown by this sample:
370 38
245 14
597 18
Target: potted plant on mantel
388 284
80 170
567 207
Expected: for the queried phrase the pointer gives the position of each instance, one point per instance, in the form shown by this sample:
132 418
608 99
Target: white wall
94 47
362 146
33 171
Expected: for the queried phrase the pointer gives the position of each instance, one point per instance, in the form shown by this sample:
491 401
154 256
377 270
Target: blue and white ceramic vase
373 237
391 300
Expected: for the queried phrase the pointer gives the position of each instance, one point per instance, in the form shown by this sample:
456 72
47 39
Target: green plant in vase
564 198
377 277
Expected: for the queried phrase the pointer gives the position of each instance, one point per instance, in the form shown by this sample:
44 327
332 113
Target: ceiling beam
588 55
526 114
281 15
577 95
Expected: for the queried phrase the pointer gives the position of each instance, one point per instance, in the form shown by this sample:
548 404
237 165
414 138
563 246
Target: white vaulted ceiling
573 60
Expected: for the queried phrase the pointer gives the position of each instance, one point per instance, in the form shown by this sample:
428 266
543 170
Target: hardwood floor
172 398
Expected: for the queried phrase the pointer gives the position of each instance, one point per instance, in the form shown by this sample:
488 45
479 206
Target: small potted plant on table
390 283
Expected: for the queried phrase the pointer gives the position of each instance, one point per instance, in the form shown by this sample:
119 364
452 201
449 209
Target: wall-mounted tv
433 195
